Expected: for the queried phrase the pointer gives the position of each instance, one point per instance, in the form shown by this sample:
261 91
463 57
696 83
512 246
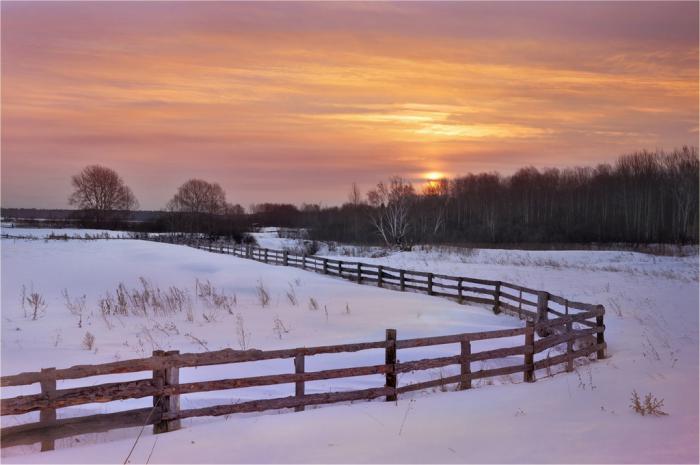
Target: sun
433 176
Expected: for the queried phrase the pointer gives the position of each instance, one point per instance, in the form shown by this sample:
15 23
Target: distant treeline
644 197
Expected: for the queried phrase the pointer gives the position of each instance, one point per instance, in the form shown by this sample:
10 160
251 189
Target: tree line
643 197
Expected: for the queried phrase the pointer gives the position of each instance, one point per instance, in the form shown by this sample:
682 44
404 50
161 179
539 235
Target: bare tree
101 190
355 196
355 202
392 204
199 196
196 204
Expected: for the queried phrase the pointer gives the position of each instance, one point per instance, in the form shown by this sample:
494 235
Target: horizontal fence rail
550 321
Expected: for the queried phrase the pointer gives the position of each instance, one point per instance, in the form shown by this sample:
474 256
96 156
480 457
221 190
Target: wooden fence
570 322
164 386
526 303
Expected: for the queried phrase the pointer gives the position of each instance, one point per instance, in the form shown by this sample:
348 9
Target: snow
269 238
652 333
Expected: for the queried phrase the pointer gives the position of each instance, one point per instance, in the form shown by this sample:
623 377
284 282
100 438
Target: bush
89 341
650 406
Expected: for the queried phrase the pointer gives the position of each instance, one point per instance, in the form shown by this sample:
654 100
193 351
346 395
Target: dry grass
292 295
313 304
278 327
33 305
75 306
198 341
262 294
242 336
88 341
650 406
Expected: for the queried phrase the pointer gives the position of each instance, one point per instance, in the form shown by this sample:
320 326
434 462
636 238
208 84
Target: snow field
652 333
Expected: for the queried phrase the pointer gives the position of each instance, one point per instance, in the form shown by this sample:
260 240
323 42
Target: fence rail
585 325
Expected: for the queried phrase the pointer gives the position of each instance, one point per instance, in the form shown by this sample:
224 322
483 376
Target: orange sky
293 102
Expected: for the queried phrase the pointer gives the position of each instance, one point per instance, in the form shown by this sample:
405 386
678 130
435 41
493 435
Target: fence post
430 284
359 273
529 373
265 255
497 299
303 261
600 337
380 274
169 376
390 359
466 368
569 347
325 266
542 310
48 386
299 385
460 291
285 258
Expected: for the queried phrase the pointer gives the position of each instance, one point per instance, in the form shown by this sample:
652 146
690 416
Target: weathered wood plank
390 360
465 381
286 402
35 432
518 299
555 340
145 388
48 414
529 371
183 360
454 338
299 385
519 288
429 363
558 359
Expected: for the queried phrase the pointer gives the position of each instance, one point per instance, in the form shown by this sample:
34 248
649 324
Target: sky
293 102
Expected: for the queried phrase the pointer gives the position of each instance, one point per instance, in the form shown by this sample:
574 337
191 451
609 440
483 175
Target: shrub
651 405
88 341
36 303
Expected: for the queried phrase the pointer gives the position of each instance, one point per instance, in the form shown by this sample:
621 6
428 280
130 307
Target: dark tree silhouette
100 191
644 197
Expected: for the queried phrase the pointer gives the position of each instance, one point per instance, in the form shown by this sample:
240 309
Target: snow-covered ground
269 238
652 333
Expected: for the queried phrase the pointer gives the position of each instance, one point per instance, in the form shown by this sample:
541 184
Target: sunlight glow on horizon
434 175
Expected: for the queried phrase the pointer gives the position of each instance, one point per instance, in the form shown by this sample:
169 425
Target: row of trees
644 197
197 206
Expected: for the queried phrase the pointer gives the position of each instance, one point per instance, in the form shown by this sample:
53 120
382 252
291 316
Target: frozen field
652 333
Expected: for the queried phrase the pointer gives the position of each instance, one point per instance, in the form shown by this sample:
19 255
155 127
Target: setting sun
433 175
